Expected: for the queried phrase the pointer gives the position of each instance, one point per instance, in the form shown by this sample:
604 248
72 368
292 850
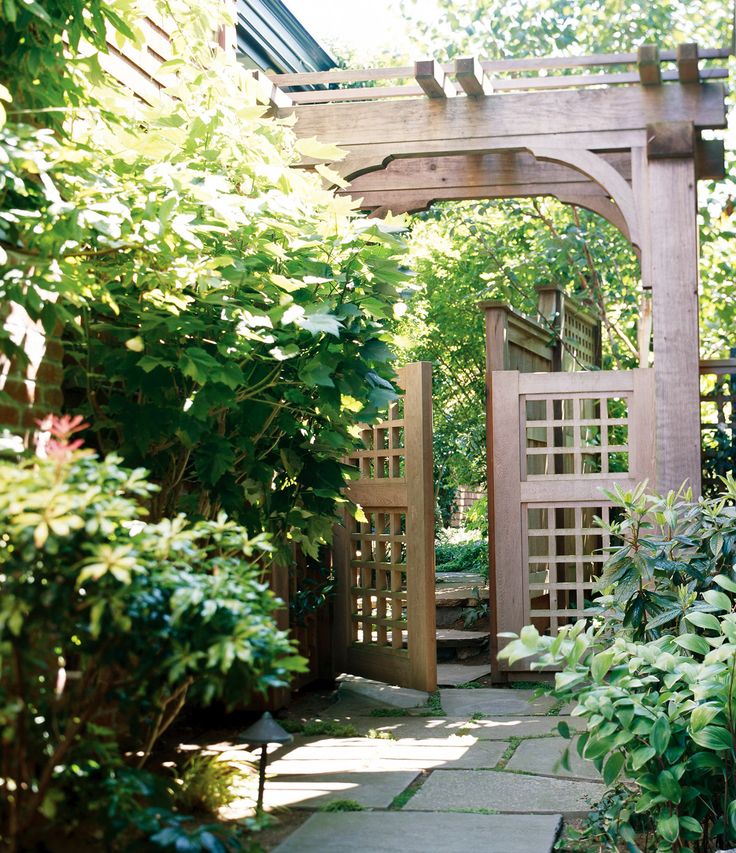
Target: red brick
23 393
54 350
50 399
49 373
10 416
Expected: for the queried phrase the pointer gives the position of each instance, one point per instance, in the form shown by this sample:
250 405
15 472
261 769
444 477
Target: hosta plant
654 676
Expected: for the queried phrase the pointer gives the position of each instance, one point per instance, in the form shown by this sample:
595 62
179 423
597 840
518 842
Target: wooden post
666 192
551 305
497 358
420 524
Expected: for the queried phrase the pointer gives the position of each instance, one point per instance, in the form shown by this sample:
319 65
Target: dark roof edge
271 35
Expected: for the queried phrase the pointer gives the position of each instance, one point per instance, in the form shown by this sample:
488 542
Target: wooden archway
624 143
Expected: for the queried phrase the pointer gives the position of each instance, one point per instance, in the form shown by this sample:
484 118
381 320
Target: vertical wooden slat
341 550
642 429
420 525
507 473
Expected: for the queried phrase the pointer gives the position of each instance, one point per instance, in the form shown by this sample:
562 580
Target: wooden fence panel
717 420
559 440
384 565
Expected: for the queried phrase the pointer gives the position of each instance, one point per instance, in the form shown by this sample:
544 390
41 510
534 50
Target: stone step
460 595
450 638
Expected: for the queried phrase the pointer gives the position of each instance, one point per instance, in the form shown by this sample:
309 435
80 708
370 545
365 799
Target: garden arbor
621 135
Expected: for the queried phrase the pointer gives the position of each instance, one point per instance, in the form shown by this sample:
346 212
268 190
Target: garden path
472 769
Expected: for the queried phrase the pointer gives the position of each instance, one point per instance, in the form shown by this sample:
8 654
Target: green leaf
600 665
690 824
718 599
660 735
639 757
529 636
669 786
314 373
612 767
316 150
693 643
668 828
702 715
725 583
707 621
319 322
713 737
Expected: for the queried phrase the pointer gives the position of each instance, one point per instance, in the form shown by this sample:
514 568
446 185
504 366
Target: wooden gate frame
566 489
626 144
395 491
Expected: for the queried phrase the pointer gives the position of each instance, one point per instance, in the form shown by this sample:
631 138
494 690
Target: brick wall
465 496
32 385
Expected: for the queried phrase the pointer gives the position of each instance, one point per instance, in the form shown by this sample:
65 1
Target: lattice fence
559 439
717 420
385 561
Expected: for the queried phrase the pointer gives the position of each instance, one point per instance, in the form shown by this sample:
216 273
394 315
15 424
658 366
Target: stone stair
454 594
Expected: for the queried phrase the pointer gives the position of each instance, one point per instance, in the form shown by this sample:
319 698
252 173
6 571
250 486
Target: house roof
271 38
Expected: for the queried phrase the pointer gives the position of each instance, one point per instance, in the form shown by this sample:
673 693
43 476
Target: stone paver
542 756
452 674
404 832
386 694
325 756
505 792
494 701
498 728
372 790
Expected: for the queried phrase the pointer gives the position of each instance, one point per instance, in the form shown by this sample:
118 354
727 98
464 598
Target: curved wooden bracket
598 170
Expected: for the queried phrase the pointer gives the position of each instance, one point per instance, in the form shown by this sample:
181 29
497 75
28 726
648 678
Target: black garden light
262 733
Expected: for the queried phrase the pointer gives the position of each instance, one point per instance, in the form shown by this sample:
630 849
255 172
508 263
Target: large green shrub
107 624
222 310
654 675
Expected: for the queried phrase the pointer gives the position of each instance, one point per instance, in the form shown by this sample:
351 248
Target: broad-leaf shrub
107 624
222 311
654 674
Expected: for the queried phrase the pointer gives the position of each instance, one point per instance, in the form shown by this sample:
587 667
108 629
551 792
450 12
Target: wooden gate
558 439
385 609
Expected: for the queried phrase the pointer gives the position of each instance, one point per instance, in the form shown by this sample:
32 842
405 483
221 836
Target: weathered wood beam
433 80
710 159
650 73
670 139
271 93
687 63
417 124
472 78
502 168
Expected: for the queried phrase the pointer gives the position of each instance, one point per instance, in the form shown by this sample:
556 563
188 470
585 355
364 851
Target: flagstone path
485 777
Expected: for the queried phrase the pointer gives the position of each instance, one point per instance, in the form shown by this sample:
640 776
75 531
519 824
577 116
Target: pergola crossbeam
618 134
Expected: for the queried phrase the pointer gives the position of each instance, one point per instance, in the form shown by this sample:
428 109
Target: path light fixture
262 733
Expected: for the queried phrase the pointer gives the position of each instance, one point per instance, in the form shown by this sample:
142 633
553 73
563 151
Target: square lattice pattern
718 424
378 565
565 550
378 579
575 435
383 456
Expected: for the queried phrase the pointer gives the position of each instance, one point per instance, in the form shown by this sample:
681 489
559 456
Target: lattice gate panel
385 619
560 440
